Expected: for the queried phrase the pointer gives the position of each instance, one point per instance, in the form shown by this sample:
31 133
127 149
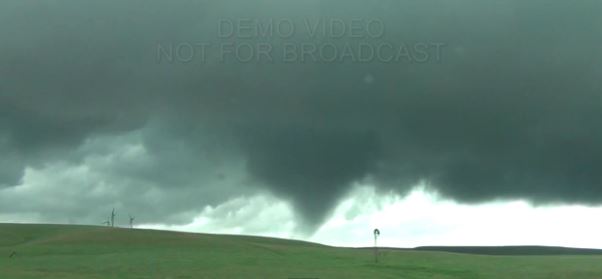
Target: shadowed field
60 251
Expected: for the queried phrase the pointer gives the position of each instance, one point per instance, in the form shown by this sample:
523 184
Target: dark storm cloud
509 106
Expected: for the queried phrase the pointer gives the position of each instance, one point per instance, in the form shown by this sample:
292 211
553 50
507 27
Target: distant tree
132 221
376 234
113 218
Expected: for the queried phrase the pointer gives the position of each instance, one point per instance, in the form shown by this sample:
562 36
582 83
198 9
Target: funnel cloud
481 100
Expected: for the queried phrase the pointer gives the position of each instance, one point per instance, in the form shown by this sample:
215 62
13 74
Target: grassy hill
512 250
59 251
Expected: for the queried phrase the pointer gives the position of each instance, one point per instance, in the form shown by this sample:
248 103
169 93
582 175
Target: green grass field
57 251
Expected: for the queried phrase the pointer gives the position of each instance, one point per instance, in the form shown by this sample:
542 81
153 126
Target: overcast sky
440 122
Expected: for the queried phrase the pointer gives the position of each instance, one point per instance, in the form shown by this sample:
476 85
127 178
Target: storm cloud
492 100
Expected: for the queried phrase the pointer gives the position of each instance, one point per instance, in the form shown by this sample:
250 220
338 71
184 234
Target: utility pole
132 221
113 218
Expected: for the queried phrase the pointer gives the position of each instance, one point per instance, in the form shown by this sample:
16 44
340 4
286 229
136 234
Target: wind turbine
132 221
376 234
